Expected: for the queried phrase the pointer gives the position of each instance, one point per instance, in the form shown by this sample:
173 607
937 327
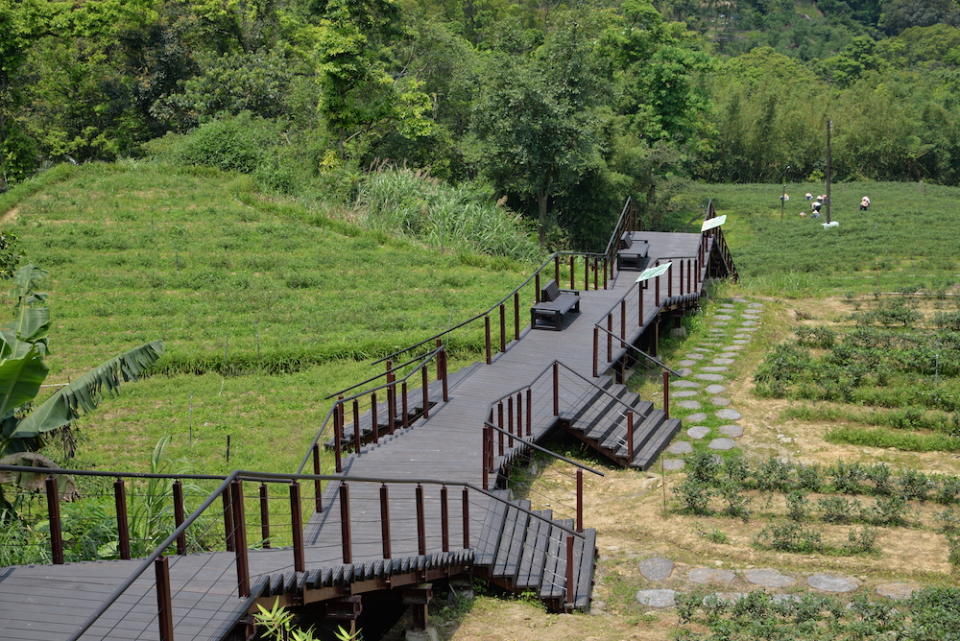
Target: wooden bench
632 253
554 304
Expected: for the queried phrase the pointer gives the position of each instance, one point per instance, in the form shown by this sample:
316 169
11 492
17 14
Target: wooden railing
234 538
626 222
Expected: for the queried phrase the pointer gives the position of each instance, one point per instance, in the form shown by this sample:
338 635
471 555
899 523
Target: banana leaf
84 394
22 370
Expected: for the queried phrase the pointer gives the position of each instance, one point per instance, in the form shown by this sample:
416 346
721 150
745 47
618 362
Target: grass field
265 307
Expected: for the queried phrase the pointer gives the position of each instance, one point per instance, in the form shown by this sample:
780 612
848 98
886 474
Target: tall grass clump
464 217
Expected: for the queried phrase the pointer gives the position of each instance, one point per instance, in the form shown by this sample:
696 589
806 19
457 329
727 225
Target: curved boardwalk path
508 545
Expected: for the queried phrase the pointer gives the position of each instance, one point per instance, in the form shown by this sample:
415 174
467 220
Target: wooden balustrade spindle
296 526
570 591
536 292
666 394
500 425
510 421
317 495
346 539
374 428
240 540
421 523
265 516
53 520
465 514
639 304
486 338
444 521
425 390
385 521
123 524
623 323
669 276
595 267
161 570
596 347
516 316
227 520
519 406
337 438
503 327
579 500
556 388
610 337
629 437
529 412
572 284
178 519
556 268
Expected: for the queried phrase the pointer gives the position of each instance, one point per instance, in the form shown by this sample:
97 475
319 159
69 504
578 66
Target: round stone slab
721 444
689 405
733 431
723 361
740 341
680 447
656 568
768 578
673 464
688 362
723 317
749 323
733 348
729 414
685 393
708 377
720 401
747 328
742 336
898 591
832 582
704 576
694 356
696 418
685 371
698 431
684 384
715 389
755 305
657 598
714 368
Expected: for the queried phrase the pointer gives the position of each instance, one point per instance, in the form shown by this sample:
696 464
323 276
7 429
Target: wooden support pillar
529 412
486 339
579 500
444 521
161 570
421 523
123 524
425 390
385 521
346 540
265 516
53 520
503 327
556 389
296 525
178 518
465 514
240 539
317 494
666 394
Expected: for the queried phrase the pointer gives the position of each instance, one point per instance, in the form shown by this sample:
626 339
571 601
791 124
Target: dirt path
9 215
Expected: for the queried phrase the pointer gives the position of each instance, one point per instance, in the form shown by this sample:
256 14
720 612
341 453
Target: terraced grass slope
906 240
265 306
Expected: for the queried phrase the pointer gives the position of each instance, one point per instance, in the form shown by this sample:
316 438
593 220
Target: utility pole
829 167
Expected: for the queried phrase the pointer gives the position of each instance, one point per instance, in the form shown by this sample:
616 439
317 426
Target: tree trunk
542 198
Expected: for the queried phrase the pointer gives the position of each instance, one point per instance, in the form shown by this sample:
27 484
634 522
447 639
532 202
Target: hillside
265 307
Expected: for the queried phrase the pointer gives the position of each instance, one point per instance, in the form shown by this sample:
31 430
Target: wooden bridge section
422 488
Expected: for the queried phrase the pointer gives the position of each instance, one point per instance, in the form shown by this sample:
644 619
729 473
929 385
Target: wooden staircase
525 554
601 423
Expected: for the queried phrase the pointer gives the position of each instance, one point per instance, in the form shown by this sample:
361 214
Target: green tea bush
861 541
737 502
819 337
704 468
836 509
772 474
887 510
879 474
694 496
797 505
789 537
914 485
847 477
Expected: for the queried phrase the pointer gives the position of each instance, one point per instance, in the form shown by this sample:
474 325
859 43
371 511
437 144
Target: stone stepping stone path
715 389
723 317
897 591
708 377
836 583
684 384
768 578
720 401
657 598
733 431
656 568
673 464
720 361
696 418
705 576
689 405
695 356
722 444
729 414
714 368
687 363
686 393
685 371
698 432
740 341
680 447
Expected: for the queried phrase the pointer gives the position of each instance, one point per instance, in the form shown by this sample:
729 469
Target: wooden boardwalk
48 602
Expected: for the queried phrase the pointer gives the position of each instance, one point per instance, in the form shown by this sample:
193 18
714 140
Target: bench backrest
550 291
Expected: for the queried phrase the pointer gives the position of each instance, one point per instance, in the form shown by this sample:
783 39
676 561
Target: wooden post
519 405
123 525
606 264
486 338
689 275
536 293
510 421
666 394
639 304
444 521
681 276
374 427
516 316
465 509
529 412
227 520
586 273
572 284
317 494
345 541
178 518
161 570
556 388
500 425
486 457
265 516
610 337
596 348
240 539
337 438
623 322
595 267
421 524
391 410
656 293
556 268
404 406
296 525
629 437
503 327
53 520
385 521
569 585
425 391
444 384
579 500
669 276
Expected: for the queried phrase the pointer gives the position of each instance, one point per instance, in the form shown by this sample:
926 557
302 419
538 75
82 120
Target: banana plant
23 350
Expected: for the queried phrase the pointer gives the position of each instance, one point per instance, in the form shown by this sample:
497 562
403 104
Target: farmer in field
864 203
815 207
808 196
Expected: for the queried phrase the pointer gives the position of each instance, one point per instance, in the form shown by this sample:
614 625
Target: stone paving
666 581
730 329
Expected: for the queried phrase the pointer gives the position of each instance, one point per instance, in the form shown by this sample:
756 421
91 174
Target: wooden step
534 553
643 431
507 561
648 454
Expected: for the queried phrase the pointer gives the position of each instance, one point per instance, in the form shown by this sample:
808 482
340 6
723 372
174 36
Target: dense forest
562 108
